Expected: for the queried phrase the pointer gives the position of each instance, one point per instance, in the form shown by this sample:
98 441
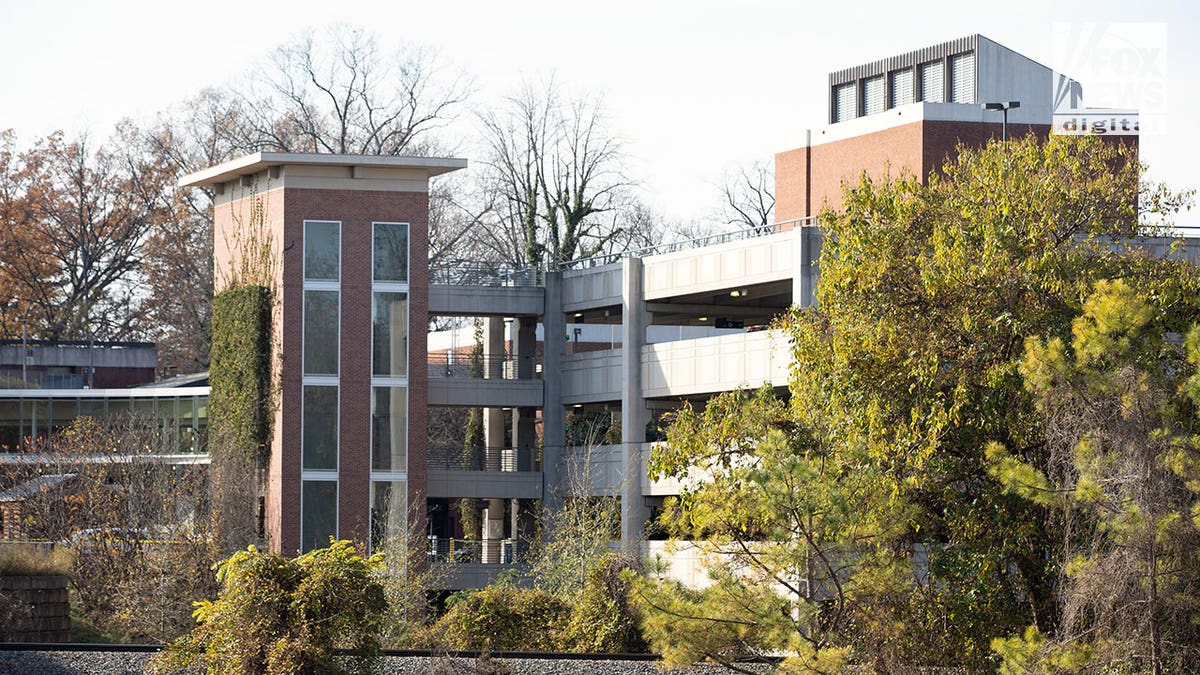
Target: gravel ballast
134 663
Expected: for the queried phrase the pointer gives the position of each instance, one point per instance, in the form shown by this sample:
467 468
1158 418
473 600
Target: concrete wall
717 364
591 377
591 288
714 268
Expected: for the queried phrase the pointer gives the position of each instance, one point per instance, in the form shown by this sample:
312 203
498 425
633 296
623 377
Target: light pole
1004 106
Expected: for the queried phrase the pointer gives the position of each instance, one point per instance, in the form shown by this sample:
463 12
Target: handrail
478 551
459 458
454 366
484 273
697 242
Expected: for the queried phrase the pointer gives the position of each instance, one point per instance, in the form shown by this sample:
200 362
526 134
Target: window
391 252
322 250
873 95
319 438
902 88
318 513
321 332
389 334
933 86
389 516
844 103
962 78
389 429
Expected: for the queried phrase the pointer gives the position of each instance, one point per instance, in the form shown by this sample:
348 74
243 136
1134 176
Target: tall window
389 384
933 84
319 393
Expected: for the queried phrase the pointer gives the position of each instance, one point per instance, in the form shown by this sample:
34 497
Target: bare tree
345 94
748 197
137 526
557 180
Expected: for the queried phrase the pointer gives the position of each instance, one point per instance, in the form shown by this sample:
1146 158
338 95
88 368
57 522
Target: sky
693 88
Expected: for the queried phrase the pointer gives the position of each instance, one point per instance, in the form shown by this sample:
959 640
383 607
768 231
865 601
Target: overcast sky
694 88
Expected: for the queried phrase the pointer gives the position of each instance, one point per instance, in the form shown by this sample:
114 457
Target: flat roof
259 161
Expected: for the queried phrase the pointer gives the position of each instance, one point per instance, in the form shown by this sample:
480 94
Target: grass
32 560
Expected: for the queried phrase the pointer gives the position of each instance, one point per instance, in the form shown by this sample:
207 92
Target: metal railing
450 458
686 244
477 551
457 366
482 273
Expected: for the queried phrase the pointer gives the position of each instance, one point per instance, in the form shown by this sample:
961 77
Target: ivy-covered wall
240 371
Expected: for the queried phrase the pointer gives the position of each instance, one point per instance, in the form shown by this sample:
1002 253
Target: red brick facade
356 210
808 180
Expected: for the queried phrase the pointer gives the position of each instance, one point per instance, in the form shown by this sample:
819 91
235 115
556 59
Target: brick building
350 453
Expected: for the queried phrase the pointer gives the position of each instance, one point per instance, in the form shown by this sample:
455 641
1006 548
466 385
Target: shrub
502 617
278 615
603 620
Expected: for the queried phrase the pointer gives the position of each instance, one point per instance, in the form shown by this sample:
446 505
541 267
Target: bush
502 617
602 618
278 615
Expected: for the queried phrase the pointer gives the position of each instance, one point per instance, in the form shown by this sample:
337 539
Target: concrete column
493 418
634 414
554 340
524 429
494 441
525 345
524 424
493 531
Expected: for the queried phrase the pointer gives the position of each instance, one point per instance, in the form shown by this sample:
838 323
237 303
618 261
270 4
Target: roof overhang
250 165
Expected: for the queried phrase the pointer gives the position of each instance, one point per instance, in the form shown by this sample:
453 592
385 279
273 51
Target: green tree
1119 403
902 376
320 612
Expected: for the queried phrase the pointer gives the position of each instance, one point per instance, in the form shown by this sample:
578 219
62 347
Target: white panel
933 85
962 78
873 95
902 88
845 103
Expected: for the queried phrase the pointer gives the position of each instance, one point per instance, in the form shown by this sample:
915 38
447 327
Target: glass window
933 89
10 425
320 437
389 517
845 106
389 424
390 334
902 88
391 252
873 95
322 250
318 506
320 332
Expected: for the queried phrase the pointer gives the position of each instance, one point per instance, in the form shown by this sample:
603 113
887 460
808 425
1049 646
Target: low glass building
28 416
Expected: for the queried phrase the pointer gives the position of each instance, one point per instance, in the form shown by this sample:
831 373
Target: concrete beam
486 300
475 393
484 484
